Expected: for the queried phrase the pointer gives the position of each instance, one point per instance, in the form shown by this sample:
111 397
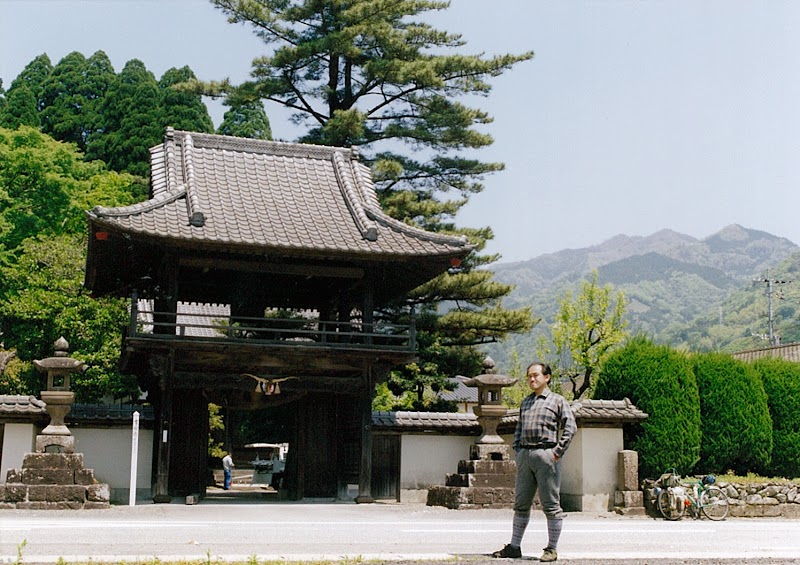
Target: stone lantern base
53 481
486 480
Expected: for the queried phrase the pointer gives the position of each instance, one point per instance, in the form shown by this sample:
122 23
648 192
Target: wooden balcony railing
304 331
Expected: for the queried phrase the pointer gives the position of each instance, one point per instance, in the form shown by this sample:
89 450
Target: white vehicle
269 464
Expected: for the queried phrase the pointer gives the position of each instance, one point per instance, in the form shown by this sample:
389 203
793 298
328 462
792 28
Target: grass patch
752 478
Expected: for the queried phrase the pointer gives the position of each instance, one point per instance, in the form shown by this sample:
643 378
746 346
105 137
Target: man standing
227 470
545 428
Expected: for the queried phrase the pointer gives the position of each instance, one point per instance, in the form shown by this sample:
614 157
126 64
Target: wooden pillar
162 366
365 468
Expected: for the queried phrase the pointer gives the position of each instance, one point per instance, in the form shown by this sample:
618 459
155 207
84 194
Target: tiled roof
222 191
461 393
197 319
586 411
789 352
19 405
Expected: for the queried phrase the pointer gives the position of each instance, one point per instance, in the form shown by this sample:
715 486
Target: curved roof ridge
382 218
154 203
196 217
353 199
279 148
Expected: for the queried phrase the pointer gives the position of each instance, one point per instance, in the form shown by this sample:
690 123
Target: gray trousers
537 469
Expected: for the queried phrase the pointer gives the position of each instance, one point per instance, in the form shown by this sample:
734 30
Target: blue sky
634 116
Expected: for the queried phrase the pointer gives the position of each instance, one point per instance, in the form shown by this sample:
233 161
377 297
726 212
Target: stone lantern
57 396
490 411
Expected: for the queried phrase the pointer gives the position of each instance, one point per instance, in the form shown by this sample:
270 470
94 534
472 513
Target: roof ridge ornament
196 217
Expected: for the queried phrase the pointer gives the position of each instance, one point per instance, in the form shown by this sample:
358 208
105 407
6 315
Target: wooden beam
273 268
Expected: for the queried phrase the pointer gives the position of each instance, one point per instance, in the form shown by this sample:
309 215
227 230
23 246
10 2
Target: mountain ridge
671 280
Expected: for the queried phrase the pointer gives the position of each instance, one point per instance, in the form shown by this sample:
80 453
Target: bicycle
703 497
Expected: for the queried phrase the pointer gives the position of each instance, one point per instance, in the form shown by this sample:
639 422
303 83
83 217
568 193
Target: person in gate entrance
544 431
227 471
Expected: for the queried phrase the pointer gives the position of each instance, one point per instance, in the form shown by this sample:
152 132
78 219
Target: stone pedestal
479 483
53 481
628 499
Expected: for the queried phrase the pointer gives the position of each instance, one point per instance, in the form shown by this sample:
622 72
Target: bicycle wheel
669 505
714 503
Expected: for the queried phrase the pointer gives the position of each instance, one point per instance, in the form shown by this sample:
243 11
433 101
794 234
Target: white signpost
134 458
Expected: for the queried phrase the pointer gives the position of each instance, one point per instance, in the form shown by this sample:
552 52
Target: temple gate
255 271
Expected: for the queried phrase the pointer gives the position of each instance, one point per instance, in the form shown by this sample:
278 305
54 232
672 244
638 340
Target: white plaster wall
18 439
589 472
108 452
426 460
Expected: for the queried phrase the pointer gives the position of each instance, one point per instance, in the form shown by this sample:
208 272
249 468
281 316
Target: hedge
660 381
735 421
781 381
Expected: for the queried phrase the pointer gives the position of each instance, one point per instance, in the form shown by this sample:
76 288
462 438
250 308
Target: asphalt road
226 529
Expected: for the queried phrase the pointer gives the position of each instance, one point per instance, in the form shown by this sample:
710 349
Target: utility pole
773 339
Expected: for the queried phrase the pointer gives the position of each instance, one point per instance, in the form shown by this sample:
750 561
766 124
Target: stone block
456 480
16 492
484 466
790 511
96 505
48 476
2 492
66 505
627 470
629 498
34 506
72 461
37 493
55 444
84 477
482 480
99 492
66 493
7 506
490 452
192 499
14 476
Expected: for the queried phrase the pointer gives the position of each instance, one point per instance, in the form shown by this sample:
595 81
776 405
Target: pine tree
369 73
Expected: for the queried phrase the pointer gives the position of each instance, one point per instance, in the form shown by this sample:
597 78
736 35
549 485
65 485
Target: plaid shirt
545 419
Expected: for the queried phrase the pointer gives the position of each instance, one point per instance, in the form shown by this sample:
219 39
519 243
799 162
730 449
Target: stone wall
748 500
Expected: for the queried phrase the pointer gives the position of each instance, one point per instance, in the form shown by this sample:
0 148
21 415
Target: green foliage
45 186
247 119
216 427
43 299
182 110
71 94
781 381
659 381
587 330
19 109
131 121
514 395
735 419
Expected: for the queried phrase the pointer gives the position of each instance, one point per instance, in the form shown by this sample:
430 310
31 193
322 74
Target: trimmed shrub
781 381
734 416
658 380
